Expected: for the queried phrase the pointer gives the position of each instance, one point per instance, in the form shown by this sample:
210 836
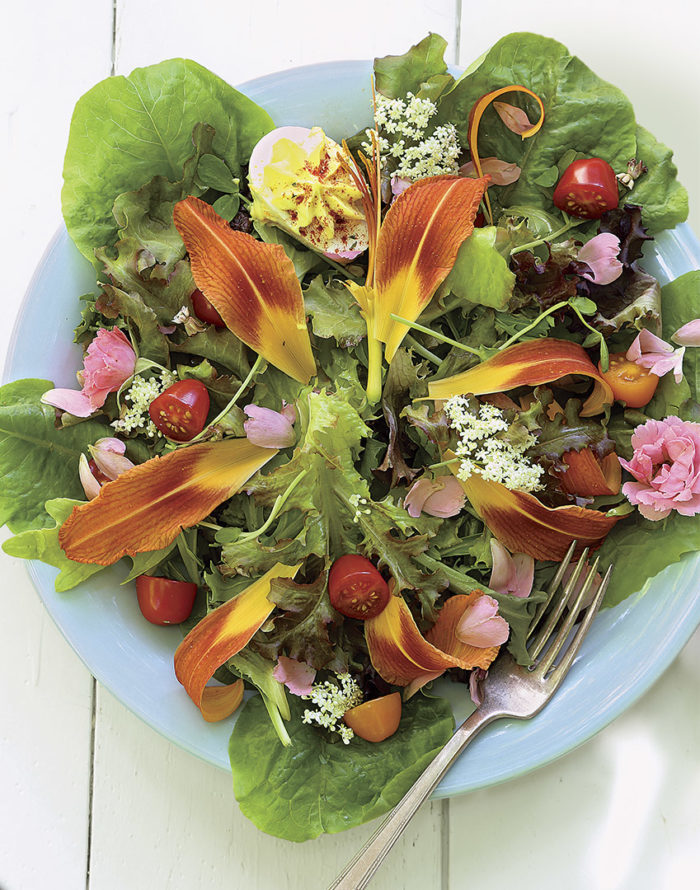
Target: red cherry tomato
630 382
204 310
181 411
377 719
587 189
163 601
356 588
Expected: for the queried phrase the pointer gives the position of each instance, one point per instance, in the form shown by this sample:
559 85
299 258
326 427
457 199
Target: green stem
442 337
569 224
534 324
458 581
276 508
374 369
604 356
443 463
421 350
241 389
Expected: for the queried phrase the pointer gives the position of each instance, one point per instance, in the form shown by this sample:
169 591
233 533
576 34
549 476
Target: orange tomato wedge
377 719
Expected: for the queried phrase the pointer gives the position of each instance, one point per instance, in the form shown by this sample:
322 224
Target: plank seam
91 780
458 31
445 845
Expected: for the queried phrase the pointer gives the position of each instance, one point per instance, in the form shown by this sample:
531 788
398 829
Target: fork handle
359 871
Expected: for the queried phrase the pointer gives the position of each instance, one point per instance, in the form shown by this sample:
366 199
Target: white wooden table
92 798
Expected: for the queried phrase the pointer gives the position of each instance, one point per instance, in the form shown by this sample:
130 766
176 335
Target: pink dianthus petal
91 486
268 428
689 334
513 574
501 172
442 497
600 253
297 676
481 625
71 400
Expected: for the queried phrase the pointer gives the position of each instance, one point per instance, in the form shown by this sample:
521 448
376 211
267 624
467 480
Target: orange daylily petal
417 247
588 476
146 507
475 119
528 364
443 636
219 702
524 525
218 637
397 649
252 285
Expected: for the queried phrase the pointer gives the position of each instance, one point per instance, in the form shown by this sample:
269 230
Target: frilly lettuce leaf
42 544
316 785
663 198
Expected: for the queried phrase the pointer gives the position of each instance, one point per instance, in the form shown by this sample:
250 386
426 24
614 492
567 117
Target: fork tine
540 640
552 589
561 669
548 660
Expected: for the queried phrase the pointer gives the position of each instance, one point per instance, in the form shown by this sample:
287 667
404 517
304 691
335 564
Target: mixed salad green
345 407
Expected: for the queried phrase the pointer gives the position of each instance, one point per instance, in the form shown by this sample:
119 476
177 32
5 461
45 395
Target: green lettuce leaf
582 111
641 549
680 301
334 312
480 273
421 71
663 198
316 785
258 670
38 462
144 123
43 544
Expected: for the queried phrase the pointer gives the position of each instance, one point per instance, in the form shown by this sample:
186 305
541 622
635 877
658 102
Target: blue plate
627 649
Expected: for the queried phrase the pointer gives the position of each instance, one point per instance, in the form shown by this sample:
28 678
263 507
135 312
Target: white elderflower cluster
482 450
418 152
135 401
332 701
360 505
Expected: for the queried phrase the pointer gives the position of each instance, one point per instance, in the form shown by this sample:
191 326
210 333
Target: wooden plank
163 819
619 812
50 56
643 53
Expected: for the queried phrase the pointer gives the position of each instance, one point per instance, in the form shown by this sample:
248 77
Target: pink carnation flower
600 253
109 362
666 465
270 429
649 351
442 497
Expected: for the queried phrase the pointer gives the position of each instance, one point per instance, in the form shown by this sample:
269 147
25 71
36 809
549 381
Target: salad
346 405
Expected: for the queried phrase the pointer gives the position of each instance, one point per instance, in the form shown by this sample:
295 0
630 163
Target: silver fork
509 691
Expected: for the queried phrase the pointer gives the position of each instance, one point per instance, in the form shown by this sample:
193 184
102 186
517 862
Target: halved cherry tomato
204 310
181 411
377 719
163 601
587 189
356 588
630 382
